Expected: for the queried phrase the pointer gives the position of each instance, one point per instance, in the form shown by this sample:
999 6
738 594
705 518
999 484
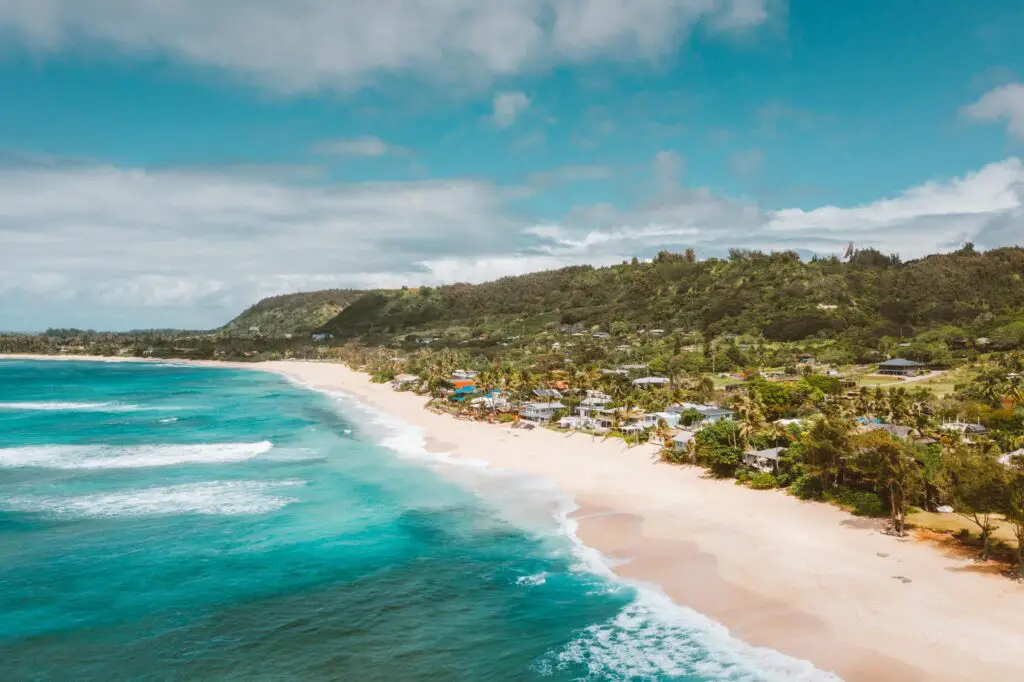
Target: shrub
807 487
762 480
858 502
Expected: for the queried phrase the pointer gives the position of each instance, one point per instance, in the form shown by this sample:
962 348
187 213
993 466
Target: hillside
776 296
295 314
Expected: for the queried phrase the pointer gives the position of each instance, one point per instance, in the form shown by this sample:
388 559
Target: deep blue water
160 522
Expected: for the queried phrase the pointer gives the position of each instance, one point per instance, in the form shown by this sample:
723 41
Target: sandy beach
803 578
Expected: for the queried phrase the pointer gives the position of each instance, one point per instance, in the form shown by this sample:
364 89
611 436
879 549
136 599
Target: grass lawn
953 523
878 381
943 385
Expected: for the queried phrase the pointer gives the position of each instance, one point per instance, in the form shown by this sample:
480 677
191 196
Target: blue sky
167 163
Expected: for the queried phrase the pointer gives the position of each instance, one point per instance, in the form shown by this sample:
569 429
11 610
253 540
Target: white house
763 460
540 412
463 374
403 380
706 414
651 381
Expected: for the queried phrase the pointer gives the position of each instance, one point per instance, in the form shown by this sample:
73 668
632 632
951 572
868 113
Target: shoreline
804 579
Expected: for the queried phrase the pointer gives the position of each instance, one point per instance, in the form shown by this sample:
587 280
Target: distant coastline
805 579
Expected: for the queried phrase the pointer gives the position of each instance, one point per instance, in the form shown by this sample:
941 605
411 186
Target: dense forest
295 314
778 297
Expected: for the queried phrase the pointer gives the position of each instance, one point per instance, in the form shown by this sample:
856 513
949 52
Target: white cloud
507 108
305 45
102 246
1003 103
367 146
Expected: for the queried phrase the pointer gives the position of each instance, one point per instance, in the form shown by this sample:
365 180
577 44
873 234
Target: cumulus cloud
507 108
305 45
1005 103
104 246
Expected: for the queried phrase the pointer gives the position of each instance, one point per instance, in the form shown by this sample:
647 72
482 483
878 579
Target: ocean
167 522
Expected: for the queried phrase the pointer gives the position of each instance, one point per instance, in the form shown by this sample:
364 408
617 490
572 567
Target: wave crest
221 498
34 406
128 457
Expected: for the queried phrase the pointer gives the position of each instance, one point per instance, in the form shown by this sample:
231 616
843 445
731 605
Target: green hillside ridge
295 314
779 297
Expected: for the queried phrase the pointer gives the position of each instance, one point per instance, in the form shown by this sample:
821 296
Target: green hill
777 296
295 314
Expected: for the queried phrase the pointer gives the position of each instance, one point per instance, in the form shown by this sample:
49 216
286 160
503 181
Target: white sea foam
169 420
532 580
128 457
227 498
652 637
57 406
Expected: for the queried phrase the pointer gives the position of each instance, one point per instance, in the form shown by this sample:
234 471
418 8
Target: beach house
899 367
540 412
403 380
763 460
700 415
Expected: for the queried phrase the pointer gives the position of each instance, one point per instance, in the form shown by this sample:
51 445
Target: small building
1011 458
463 374
965 428
403 380
763 460
682 439
540 412
321 336
648 382
899 367
700 415
549 393
601 336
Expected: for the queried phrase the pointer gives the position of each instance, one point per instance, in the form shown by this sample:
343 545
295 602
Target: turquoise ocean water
160 522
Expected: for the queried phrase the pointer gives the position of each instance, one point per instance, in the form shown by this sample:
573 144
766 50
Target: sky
166 163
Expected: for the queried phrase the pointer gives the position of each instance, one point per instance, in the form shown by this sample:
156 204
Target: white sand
806 579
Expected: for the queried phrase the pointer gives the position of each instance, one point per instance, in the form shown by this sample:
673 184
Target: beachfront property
682 439
763 460
403 380
700 415
549 393
899 367
540 412
463 374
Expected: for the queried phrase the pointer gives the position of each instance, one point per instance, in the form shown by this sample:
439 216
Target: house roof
546 393
543 406
900 362
770 453
659 381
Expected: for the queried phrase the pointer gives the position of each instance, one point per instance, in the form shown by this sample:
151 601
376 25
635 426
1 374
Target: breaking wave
128 457
28 406
225 498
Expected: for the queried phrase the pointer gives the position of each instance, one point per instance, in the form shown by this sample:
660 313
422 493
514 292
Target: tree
890 464
717 450
974 482
1015 513
826 448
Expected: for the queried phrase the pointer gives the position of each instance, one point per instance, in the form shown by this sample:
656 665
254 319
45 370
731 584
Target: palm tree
705 387
751 414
